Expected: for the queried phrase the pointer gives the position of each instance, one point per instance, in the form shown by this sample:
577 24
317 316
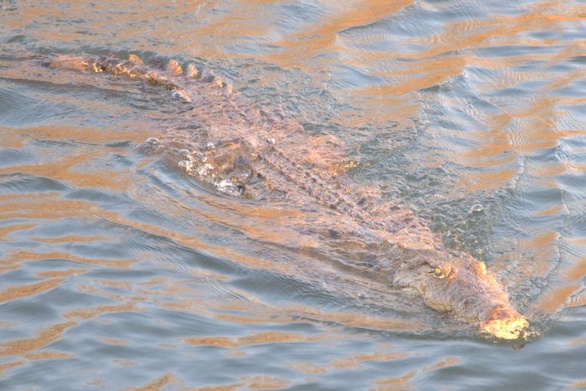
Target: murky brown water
119 272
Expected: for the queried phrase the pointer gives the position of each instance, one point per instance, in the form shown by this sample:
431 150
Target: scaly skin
245 154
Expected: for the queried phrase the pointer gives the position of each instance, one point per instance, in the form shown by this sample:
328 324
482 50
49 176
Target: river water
119 272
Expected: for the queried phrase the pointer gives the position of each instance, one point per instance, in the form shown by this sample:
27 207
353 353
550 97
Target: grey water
119 272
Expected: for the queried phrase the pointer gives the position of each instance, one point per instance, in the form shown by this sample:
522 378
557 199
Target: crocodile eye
438 272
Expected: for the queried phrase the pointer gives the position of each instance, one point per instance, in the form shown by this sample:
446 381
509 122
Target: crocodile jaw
505 323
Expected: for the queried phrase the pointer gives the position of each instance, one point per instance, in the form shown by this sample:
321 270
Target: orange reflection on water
478 181
24 256
554 300
161 382
10 365
578 271
541 263
10 229
18 291
255 339
41 206
358 320
429 72
322 33
48 355
44 337
310 39
70 168
92 312
264 382
565 294
355 361
444 363
501 29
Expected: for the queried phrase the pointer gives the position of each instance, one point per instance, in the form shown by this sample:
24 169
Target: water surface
117 271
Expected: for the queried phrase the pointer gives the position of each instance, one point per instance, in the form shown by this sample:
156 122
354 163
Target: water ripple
118 272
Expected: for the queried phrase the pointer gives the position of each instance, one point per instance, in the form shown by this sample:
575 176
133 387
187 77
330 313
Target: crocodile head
462 286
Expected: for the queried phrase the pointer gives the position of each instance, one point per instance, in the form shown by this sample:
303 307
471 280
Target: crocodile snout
505 323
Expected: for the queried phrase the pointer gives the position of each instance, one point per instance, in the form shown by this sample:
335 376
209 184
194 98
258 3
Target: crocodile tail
66 62
132 68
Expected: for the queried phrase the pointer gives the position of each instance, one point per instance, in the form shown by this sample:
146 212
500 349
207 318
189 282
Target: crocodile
249 153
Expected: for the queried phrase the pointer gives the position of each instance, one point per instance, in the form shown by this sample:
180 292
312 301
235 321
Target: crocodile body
248 153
